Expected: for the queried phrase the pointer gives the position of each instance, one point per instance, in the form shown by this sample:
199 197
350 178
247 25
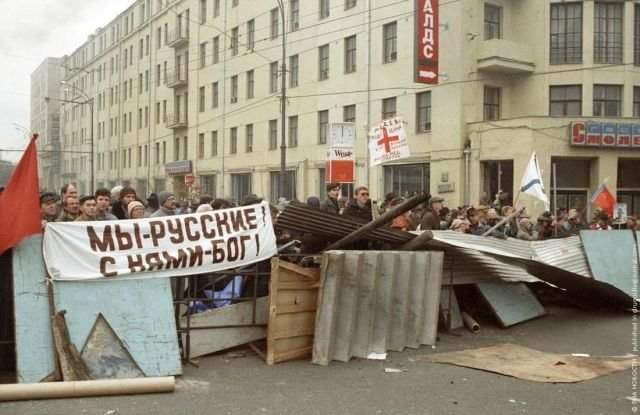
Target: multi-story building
191 89
45 119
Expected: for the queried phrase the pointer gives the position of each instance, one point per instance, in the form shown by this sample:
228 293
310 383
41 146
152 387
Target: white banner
388 142
340 154
160 247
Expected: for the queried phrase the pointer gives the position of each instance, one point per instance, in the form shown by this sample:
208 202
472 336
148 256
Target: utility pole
283 103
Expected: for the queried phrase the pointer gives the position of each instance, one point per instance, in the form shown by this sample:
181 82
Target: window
203 54
165 32
250 84
293 131
201 145
349 113
406 179
324 9
164 152
201 93
140 83
607 32
289 191
251 34
203 11
565 100
293 71
139 118
157 112
158 74
491 103
390 42
350 54
573 183
140 48
323 62
350 4
492 21
323 126
214 143
636 101
497 175
216 49
234 89
275 22
234 41
607 101
636 36
240 185
629 184
273 77
388 108
423 112
566 33
139 156
273 134
216 8
233 140
215 94
158 153
208 185
185 148
234 3
248 143
294 17
176 149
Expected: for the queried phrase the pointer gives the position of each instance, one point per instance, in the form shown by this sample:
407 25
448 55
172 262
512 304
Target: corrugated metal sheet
375 301
566 253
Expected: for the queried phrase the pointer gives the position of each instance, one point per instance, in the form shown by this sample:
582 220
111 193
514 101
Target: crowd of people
497 218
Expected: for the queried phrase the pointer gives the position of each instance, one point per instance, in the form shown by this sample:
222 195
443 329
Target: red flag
604 199
20 201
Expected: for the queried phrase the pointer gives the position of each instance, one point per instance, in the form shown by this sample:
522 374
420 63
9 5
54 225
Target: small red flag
604 199
20 201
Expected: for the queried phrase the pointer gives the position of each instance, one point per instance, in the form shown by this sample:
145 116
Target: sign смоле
605 134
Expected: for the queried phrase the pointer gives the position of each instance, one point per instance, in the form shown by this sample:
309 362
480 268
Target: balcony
177 79
504 56
176 121
178 38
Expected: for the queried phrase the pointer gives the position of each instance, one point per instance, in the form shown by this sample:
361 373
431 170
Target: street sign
427 41
604 134
188 179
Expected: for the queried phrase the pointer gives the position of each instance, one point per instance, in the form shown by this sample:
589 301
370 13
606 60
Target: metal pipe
467 173
503 221
283 105
418 242
385 218
470 323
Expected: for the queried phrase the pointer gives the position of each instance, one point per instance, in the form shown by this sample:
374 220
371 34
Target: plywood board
511 302
207 341
139 311
105 355
34 341
293 298
613 258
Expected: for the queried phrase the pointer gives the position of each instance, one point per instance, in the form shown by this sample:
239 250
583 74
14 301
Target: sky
30 31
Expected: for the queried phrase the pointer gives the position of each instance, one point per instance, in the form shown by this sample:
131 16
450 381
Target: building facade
45 120
189 92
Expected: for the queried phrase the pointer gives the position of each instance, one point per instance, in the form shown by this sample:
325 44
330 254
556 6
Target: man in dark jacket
360 207
431 217
119 209
330 204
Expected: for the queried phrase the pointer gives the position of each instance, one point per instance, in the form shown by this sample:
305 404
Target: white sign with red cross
388 142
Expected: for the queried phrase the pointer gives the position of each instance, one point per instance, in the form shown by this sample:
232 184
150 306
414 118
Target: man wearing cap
167 202
152 204
360 207
127 195
87 209
431 217
103 203
70 210
330 204
48 207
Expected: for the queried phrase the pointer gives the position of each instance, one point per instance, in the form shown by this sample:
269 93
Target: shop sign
427 42
605 134
178 167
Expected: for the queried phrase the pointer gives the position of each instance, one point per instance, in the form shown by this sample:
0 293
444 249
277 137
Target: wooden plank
72 366
207 341
450 309
292 311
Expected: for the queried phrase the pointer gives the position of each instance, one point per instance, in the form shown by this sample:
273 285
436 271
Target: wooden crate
293 300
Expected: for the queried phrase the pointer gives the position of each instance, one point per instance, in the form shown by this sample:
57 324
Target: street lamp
88 101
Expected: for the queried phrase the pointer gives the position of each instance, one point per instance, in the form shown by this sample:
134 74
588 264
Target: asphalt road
245 385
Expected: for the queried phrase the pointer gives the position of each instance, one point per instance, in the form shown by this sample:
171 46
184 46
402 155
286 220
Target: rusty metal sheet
375 301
